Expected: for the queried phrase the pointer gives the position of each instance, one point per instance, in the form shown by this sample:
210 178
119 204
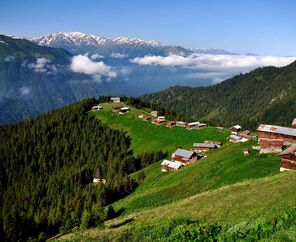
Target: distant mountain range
77 43
38 74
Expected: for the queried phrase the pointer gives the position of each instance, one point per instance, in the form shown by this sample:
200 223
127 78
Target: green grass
148 137
263 207
225 187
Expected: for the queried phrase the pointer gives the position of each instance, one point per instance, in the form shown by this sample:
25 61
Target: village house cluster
183 157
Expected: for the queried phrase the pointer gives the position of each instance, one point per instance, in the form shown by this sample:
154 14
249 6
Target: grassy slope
148 137
203 190
236 206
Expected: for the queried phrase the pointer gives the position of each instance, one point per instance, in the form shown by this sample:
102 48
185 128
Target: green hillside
226 196
262 209
263 95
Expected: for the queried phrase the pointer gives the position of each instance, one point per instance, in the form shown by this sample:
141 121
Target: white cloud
118 55
9 58
40 65
96 56
24 91
234 63
83 64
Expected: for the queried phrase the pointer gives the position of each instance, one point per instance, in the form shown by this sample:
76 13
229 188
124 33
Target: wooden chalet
217 143
199 147
185 156
237 139
245 134
115 99
170 124
99 181
97 107
288 159
181 124
270 133
159 120
167 165
124 110
294 123
116 108
154 114
235 129
196 125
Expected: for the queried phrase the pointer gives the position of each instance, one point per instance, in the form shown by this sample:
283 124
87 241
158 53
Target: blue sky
262 27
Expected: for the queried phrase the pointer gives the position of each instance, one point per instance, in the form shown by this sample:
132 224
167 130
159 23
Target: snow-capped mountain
77 42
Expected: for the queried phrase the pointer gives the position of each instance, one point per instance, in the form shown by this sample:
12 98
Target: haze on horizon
260 27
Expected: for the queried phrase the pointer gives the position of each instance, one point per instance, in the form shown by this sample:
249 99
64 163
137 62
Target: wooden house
217 143
195 125
272 133
124 110
115 99
170 124
237 139
170 165
288 159
99 181
181 124
159 120
246 151
245 134
154 114
116 108
294 123
235 129
199 147
184 156
97 107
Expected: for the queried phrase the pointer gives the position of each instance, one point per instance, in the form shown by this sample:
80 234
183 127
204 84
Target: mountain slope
263 95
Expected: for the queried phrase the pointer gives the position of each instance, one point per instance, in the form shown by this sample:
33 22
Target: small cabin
217 143
236 139
115 99
124 110
97 107
159 120
181 124
288 159
154 114
196 125
294 123
170 124
199 147
235 129
245 151
184 156
245 134
99 181
116 108
167 165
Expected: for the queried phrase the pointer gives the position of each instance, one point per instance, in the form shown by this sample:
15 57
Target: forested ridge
263 95
47 166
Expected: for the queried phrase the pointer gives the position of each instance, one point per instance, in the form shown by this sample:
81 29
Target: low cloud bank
233 63
83 64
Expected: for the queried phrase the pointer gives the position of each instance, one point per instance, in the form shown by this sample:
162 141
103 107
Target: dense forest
263 95
47 166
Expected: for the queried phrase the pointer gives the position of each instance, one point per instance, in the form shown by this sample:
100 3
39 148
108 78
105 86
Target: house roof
124 108
290 151
206 145
294 121
161 117
115 98
171 164
235 137
184 153
236 127
193 123
276 129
